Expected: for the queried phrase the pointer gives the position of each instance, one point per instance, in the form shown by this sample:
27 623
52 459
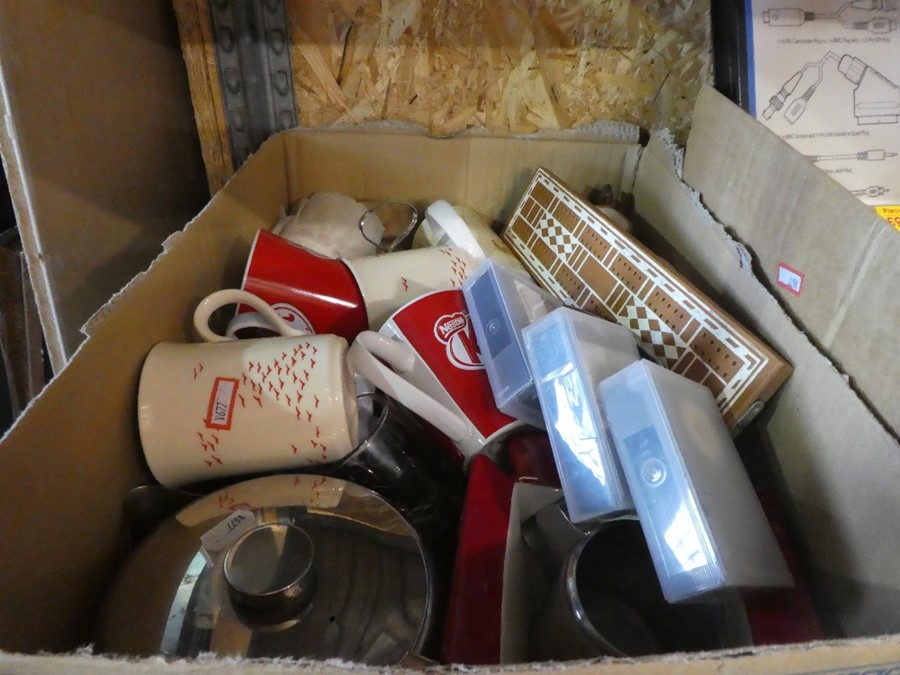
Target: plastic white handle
443 217
368 355
234 296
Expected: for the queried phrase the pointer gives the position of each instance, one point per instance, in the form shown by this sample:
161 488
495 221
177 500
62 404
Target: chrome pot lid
281 566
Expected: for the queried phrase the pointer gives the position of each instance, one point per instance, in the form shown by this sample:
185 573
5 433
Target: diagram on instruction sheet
876 100
868 15
825 76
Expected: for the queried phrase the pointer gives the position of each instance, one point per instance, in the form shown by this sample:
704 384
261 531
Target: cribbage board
573 251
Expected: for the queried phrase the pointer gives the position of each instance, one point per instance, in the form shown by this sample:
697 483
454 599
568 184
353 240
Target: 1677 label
221 403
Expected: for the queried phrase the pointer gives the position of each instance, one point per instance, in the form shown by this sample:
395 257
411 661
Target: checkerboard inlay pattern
653 333
560 240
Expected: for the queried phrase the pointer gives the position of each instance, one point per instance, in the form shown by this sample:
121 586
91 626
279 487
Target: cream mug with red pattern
229 407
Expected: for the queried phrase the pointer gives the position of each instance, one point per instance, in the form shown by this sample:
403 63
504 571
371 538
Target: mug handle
246 320
441 216
234 296
364 354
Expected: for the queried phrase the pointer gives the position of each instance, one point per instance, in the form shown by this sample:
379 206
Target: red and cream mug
426 358
318 294
309 291
234 407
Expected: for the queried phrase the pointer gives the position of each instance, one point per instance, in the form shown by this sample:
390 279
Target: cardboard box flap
836 257
838 463
101 172
64 468
488 172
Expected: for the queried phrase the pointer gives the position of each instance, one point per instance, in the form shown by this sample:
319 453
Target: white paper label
221 403
227 532
790 279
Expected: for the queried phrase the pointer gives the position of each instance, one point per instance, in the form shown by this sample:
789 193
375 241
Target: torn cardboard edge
805 424
836 276
20 194
869 655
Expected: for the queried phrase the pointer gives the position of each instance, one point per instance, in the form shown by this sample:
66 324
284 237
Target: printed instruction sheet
825 76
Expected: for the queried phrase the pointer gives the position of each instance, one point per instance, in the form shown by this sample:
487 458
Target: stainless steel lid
281 566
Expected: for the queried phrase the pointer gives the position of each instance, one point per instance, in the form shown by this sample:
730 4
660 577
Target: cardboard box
99 147
21 345
70 459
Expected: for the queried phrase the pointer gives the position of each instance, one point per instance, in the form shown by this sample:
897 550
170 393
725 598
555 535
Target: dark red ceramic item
530 458
785 616
472 632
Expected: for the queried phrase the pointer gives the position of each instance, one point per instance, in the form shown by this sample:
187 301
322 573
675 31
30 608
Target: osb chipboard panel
577 254
198 47
514 66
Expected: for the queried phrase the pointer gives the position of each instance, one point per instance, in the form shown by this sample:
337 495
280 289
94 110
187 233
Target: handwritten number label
221 403
225 533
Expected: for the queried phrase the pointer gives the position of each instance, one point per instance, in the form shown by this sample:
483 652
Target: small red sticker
790 278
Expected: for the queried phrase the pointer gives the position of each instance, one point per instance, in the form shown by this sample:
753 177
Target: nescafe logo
454 331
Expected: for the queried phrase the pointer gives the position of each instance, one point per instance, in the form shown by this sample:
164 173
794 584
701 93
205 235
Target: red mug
318 294
426 358
311 292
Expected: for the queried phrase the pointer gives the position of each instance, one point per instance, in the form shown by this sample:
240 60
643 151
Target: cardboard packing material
21 347
99 146
70 459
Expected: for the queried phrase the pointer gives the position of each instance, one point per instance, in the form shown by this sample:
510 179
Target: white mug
387 282
447 225
232 407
